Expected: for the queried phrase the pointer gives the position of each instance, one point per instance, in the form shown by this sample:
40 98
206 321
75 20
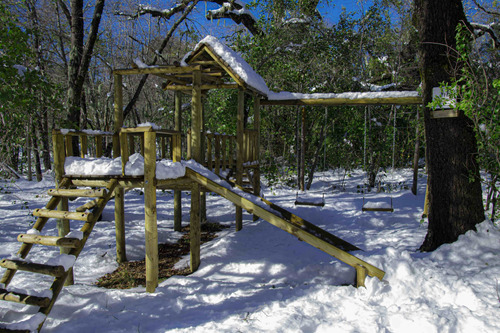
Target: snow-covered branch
155 12
236 11
481 29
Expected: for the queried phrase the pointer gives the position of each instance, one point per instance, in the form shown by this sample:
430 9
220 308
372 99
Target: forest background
57 57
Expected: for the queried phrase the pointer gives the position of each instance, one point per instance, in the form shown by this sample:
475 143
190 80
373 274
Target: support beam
240 129
256 126
150 211
177 193
121 255
196 126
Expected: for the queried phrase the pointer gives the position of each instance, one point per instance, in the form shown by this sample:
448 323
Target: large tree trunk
454 183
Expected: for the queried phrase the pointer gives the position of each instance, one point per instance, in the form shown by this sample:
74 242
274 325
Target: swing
309 201
379 206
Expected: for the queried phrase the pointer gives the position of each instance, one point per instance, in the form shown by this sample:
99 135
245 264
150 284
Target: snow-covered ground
262 279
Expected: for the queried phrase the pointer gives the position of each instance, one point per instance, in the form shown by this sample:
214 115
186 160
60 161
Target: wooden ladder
70 245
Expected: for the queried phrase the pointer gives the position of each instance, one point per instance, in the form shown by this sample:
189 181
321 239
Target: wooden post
203 194
196 125
121 253
124 149
63 227
69 145
98 146
361 273
210 138
150 210
256 126
83 145
217 153
240 151
224 152
177 150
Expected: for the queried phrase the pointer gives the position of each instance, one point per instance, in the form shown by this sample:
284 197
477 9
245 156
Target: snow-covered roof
231 61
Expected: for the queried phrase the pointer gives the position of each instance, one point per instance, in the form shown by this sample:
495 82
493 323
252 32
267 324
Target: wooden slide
288 222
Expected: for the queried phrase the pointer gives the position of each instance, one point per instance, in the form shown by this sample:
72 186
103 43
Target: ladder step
49 240
61 214
16 297
56 271
99 193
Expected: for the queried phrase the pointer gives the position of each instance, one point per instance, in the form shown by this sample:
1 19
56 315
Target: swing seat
310 201
377 206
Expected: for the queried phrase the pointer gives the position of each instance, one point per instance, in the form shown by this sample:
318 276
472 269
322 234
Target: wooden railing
161 144
221 150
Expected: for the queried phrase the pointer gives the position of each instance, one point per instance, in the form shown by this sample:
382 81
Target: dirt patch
133 273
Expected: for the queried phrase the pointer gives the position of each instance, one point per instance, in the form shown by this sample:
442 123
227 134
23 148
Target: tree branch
487 29
89 46
154 12
233 10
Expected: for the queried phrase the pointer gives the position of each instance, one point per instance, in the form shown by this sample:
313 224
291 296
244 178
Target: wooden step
61 214
21 265
87 193
16 297
49 240
89 205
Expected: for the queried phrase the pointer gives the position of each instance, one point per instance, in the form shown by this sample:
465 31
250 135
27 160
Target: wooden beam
240 131
151 231
417 100
157 70
177 193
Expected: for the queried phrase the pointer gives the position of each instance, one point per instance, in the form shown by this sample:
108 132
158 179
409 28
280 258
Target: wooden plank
12 296
156 70
361 273
32 267
87 193
285 225
49 240
151 229
58 214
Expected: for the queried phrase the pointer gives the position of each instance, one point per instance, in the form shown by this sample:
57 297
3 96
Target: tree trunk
455 202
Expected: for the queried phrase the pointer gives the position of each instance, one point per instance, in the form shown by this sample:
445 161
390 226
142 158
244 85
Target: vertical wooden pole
203 194
361 273
63 227
98 146
121 254
240 127
196 125
177 145
217 153
150 210
303 150
256 126
84 145
224 149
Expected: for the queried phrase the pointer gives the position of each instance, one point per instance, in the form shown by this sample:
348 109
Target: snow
105 166
285 95
261 279
376 204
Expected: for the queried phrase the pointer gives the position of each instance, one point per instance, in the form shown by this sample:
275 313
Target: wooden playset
210 66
